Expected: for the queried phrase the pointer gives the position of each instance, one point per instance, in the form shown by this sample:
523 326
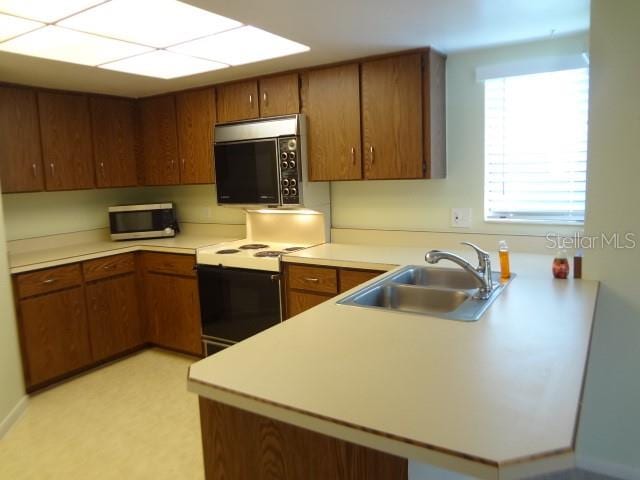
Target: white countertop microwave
151 220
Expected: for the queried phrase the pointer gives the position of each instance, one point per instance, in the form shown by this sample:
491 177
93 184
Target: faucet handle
483 256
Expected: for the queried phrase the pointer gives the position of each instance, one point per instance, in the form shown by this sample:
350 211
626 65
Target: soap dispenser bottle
503 253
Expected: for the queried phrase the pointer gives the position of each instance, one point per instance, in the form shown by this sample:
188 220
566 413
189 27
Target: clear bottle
503 253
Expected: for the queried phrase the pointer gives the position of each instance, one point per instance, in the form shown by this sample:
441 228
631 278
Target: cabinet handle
102 168
353 155
49 281
311 279
373 158
250 99
264 97
53 169
35 169
183 162
109 267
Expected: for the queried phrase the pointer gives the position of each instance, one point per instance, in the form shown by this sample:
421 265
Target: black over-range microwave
152 220
261 162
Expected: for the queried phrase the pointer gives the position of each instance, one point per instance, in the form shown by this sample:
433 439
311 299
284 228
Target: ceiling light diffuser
47 11
13 26
241 45
57 43
157 23
163 64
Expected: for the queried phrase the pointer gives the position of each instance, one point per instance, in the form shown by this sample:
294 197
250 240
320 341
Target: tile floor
132 419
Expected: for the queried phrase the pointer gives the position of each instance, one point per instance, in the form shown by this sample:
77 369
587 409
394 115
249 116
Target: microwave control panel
290 170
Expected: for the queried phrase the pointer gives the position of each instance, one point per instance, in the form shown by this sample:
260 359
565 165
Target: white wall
425 204
30 215
11 383
610 424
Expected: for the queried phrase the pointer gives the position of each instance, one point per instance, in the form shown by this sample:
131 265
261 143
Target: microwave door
247 172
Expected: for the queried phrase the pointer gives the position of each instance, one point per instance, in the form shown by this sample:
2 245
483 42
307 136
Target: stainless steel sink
439 292
437 277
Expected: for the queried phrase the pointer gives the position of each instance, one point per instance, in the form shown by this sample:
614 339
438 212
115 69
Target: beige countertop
53 255
496 398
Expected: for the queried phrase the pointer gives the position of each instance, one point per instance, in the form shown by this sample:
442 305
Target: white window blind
536 146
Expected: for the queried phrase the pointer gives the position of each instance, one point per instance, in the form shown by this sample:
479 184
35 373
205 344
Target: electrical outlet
461 217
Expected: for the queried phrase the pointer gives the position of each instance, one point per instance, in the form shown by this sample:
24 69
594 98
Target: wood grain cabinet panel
65 124
279 95
237 101
298 302
48 280
241 445
114 141
159 139
173 264
331 102
55 336
196 112
315 279
392 117
115 325
20 153
352 278
108 266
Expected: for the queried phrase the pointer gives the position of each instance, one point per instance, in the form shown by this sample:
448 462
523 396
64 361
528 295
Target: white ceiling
335 30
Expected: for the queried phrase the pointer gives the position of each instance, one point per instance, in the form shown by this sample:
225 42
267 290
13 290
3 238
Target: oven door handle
275 278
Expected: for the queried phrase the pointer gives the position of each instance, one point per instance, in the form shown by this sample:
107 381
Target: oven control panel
290 170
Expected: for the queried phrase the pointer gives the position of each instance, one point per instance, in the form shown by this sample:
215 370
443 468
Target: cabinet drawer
298 302
170 263
316 279
49 280
108 266
352 278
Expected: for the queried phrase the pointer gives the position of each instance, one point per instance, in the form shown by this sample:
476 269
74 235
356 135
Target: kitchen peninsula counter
496 398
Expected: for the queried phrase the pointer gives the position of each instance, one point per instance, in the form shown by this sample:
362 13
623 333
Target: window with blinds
536 146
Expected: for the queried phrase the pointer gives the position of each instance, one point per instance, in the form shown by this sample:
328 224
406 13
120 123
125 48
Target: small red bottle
560 266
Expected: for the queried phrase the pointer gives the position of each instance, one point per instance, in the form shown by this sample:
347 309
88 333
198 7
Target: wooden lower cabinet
309 285
172 302
76 316
115 324
241 445
55 335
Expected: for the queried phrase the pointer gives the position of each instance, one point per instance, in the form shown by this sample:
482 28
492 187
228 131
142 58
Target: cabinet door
114 143
159 138
298 302
114 318
331 101
55 334
66 141
392 117
196 116
237 101
173 309
20 154
279 95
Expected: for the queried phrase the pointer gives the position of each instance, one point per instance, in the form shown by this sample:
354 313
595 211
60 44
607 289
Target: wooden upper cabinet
159 140
279 95
20 154
67 151
392 91
331 102
237 101
114 142
196 116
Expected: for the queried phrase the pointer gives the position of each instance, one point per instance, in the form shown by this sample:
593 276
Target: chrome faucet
482 273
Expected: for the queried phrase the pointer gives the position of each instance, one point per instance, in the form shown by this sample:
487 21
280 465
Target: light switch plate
461 217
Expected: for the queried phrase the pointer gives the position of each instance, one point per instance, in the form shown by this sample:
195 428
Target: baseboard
15 413
624 472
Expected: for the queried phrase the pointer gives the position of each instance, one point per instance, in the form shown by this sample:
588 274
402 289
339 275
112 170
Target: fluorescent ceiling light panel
163 64
57 43
13 26
157 23
47 11
241 45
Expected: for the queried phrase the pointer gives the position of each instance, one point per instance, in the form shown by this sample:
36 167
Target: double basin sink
439 292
